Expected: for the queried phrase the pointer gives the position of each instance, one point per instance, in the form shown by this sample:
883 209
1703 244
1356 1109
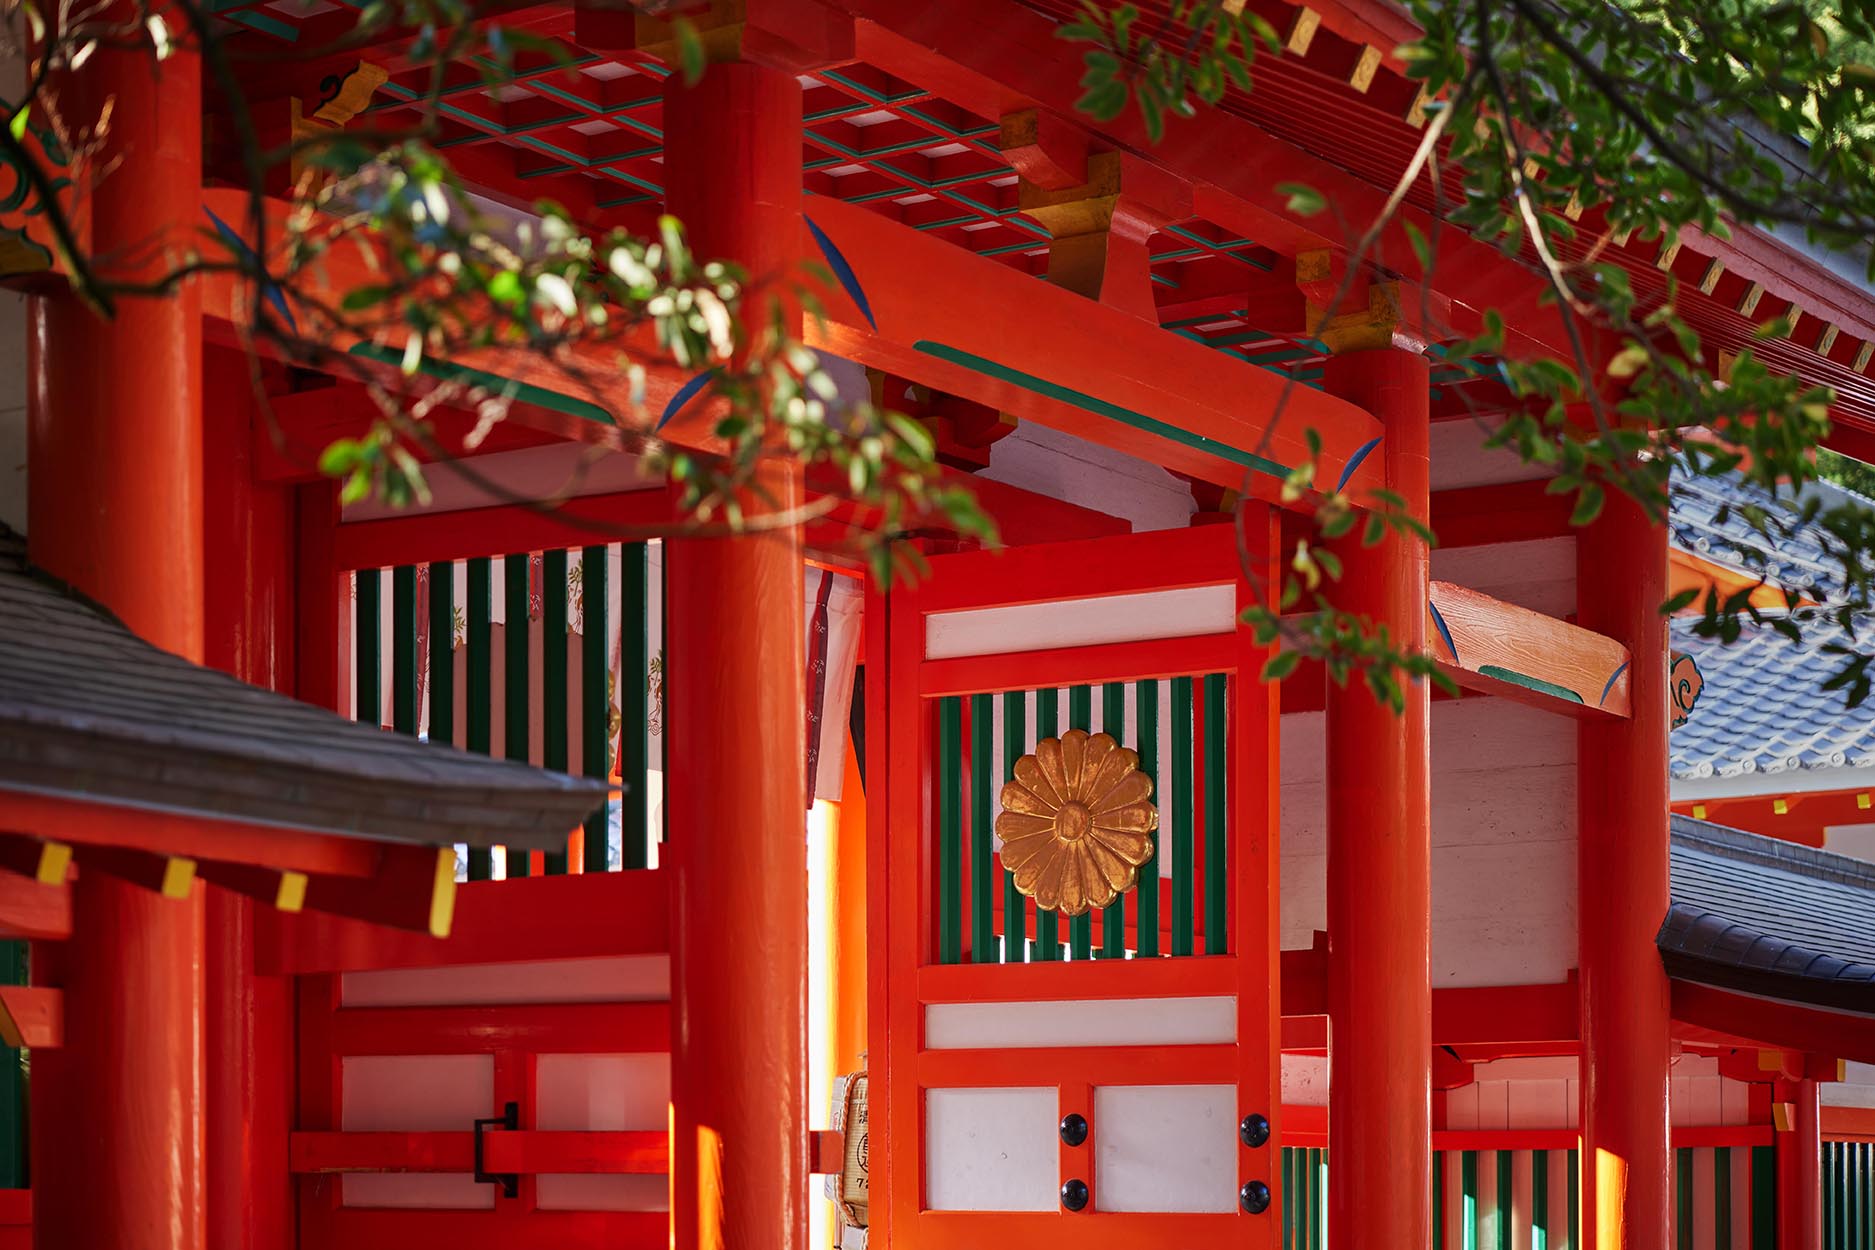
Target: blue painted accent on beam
684 395
1439 621
1354 462
1612 679
269 290
836 261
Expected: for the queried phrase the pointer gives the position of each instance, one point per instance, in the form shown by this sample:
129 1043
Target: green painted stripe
1216 935
1721 1198
1015 906
443 653
15 1171
982 848
404 649
481 672
1318 1204
1081 717
1183 920
1539 1200
1683 1198
1146 719
1575 1199
595 707
1438 1200
514 570
1505 1184
1100 407
1113 918
525 392
367 623
634 705
950 868
1468 1188
1529 683
553 679
1047 725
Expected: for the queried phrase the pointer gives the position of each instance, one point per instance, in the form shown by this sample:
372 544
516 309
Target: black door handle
510 1119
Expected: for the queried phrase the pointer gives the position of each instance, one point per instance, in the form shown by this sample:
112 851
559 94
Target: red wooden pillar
737 780
115 508
1800 1170
247 1039
1380 856
1621 581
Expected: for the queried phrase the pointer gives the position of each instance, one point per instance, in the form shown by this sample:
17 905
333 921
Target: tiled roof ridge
1767 852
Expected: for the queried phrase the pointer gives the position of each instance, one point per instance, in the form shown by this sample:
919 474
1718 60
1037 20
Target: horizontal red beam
573 916
1070 666
1509 512
32 1016
1185 977
1069 1065
32 909
543 1028
1159 560
522 1152
1499 648
421 537
1724 1014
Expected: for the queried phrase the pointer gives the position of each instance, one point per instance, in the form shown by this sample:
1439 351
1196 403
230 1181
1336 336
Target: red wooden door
558 1026
1113 1080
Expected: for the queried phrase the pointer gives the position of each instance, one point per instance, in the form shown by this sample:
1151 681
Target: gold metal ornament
1077 822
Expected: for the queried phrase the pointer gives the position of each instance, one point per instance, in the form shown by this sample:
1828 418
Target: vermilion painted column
115 508
1800 1170
1621 874
736 719
1380 856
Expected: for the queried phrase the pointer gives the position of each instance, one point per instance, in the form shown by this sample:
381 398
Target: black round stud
1073 1128
1255 1197
1074 1194
1255 1130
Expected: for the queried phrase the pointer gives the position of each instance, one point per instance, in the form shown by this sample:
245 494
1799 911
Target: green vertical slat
514 577
982 861
1539 1200
1315 1199
1832 1199
1504 1186
481 675
1468 1188
1763 1198
950 830
443 653
1438 1200
1146 726
1216 937
1113 919
367 623
1683 1197
14 1172
1182 900
1081 717
1828 1200
594 706
1862 1194
554 694
1721 1198
1047 923
404 649
1289 1198
634 706
1015 907
1575 1200
1320 1205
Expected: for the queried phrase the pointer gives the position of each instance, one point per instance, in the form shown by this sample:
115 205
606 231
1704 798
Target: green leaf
1302 200
16 125
690 55
1421 249
1588 504
1280 665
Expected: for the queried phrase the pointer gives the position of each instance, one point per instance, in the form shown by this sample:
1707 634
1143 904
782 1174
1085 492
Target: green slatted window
1081 927
595 707
1215 709
1015 906
518 612
983 883
480 666
553 691
366 634
1183 919
1047 725
1113 918
1146 718
950 830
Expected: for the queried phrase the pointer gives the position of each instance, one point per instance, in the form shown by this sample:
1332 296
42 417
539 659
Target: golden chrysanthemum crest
1077 822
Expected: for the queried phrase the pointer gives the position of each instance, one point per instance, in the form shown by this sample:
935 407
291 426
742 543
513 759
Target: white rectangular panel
1081 1022
1188 613
428 1191
415 1093
1165 1148
587 1191
991 1149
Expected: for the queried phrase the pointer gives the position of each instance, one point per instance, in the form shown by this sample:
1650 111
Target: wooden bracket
1099 228
341 99
1369 314
32 1016
1044 150
277 887
963 430
172 876
793 35
414 888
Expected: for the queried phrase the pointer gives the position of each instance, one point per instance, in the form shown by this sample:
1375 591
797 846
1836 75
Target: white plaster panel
1539 574
427 1191
1081 1022
620 978
991 1149
1165 1148
1061 466
414 1093
1460 458
1186 613
1305 1080
587 1191
602 1093
1855 841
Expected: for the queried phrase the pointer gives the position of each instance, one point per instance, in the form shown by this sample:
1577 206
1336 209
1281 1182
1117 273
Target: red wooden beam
32 1016
30 909
420 537
522 1151
1786 1025
544 1028
1481 516
1498 648
970 326
580 915
414 887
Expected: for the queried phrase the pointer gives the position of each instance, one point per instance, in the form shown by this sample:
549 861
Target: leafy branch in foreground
1568 127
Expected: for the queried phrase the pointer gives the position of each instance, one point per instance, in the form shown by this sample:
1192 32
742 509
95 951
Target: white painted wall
1503 834
1460 458
1545 1093
1062 466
